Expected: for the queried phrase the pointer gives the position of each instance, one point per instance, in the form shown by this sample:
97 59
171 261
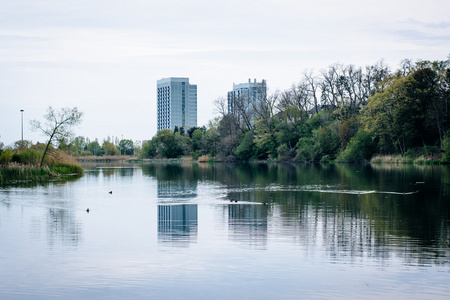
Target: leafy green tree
171 145
126 147
6 156
197 139
110 149
284 152
94 148
149 148
328 141
324 142
391 115
211 141
307 150
245 149
191 130
265 140
397 115
78 145
446 150
347 129
29 156
359 149
288 135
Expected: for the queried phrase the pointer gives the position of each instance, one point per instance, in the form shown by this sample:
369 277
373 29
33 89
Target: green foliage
6 156
30 156
398 112
347 130
408 112
77 145
307 151
66 169
360 148
167 144
197 139
211 141
446 150
16 172
195 155
171 145
328 142
284 153
126 147
149 148
110 149
287 133
245 149
94 148
324 142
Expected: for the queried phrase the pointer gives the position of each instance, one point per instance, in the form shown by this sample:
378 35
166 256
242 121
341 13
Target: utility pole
22 124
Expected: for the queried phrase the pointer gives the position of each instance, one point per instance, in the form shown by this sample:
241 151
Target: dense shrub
30 156
360 148
6 157
245 149
65 169
446 151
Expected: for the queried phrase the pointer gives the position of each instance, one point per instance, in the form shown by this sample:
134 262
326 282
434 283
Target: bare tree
243 112
312 88
221 106
329 91
58 125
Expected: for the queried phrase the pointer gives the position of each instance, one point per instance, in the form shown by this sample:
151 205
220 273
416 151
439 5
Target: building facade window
176 103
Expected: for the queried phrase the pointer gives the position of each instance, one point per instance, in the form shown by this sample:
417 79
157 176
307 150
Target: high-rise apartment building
246 95
176 103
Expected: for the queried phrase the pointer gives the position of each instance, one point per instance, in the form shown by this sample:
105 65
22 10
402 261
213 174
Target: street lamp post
22 123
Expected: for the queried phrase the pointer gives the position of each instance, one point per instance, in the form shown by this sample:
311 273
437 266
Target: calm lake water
229 232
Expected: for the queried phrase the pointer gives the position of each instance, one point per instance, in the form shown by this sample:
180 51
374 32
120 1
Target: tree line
343 113
57 127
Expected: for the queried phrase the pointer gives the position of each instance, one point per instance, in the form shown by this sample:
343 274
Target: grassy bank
402 159
15 172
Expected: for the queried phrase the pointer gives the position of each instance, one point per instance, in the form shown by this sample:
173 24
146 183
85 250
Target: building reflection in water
180 190
248 223
177 224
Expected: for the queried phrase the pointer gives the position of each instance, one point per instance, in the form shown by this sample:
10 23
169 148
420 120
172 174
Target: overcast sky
105 57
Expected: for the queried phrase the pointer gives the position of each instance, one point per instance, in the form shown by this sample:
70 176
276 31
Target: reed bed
106 158
18 172
399 159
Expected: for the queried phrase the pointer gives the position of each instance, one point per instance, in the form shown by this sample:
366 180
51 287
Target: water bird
110 192
87 210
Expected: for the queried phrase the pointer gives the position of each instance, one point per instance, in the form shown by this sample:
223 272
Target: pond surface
229 232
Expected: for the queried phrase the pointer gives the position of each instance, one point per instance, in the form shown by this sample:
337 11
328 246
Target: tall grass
391 159
19 172
24 166
66 169
399 159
